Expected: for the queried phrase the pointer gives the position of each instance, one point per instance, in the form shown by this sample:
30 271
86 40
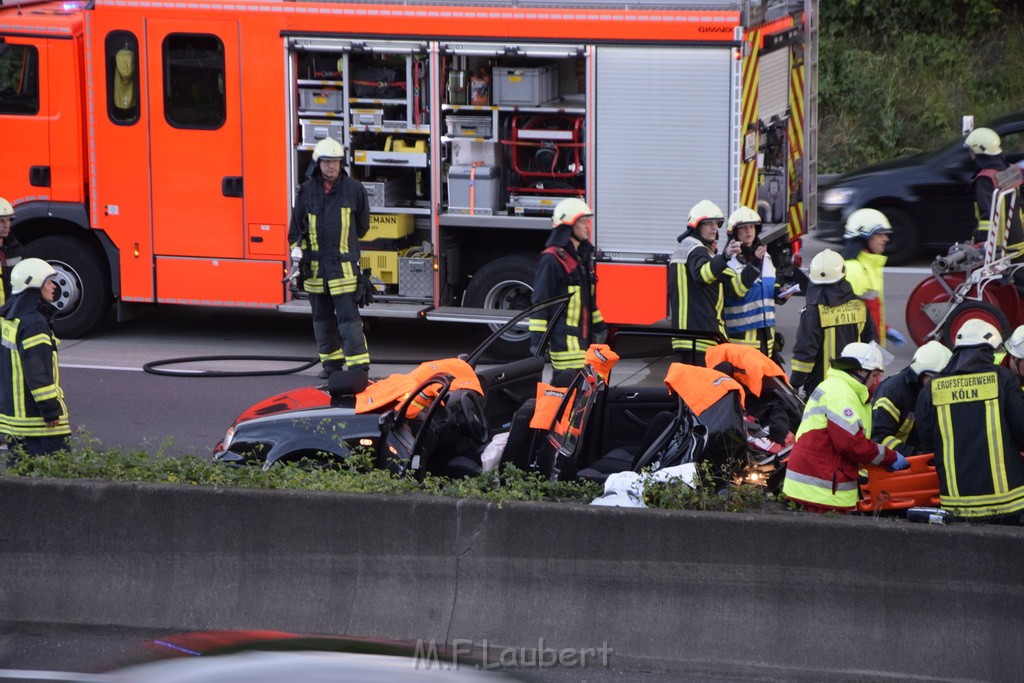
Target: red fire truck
153 149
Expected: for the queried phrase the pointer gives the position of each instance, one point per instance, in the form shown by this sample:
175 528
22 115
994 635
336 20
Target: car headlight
837 196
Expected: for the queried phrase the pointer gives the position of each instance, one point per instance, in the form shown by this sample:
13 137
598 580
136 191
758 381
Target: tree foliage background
896 76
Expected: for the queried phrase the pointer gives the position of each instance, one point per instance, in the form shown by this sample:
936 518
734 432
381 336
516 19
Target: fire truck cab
153 151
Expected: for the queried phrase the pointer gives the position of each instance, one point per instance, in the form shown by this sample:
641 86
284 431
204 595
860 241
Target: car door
506 387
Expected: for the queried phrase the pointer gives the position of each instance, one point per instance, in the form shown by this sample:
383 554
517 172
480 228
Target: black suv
925 196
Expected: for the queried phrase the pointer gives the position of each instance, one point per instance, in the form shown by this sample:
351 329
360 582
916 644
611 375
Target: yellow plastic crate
389 226
382 265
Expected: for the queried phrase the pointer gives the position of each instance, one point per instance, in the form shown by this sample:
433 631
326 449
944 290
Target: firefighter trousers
339 331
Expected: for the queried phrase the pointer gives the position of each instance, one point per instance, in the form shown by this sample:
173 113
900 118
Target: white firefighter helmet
328 148
976 332
6 210
568 211
984 141
866 222
931 357
1015 344
743 216
704 210
827 267
30 273
869 356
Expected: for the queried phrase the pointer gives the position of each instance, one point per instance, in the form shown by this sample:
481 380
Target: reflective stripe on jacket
832 444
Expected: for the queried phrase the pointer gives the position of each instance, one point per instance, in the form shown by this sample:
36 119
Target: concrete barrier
787 596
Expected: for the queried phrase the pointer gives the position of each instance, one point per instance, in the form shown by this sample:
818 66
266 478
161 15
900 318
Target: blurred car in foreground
925 196
282 657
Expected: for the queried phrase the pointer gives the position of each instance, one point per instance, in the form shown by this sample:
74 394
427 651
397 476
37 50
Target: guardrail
784 595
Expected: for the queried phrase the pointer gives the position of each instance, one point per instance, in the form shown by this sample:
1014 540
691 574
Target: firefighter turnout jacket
565 268
984 185
31 394
892 412
327 225
833 317
832 444
698 282
972 417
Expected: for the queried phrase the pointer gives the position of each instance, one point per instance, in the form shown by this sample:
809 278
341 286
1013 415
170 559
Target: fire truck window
19 79
194 81
122 56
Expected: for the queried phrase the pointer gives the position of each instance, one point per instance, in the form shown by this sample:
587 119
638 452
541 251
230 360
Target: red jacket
832 444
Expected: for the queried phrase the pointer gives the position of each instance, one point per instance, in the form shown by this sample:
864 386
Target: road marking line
98 367
33 674
908 270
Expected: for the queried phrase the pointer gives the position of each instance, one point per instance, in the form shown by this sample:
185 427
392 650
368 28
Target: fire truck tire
507 284
85 296
981 310
904 241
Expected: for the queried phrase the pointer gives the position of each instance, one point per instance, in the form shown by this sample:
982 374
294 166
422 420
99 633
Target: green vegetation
357 475
897 75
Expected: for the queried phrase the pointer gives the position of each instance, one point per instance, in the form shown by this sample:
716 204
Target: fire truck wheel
982 310
506 284
85 297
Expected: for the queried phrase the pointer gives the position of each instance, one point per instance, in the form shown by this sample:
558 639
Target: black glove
364 289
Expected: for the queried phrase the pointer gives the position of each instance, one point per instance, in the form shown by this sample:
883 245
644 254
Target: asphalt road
112 400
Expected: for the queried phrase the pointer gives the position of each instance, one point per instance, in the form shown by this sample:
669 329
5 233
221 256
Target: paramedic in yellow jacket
867 232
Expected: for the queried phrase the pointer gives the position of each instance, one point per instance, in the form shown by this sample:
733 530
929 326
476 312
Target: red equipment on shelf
546 154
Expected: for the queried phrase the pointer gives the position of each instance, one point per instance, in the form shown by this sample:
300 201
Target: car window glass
643 358
19 79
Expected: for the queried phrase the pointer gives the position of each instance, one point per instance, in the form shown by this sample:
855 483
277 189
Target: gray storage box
416 277
524 86
315 130
470 126
311 99
393 192
484 200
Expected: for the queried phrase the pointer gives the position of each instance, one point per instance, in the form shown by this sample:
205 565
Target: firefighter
10 249
972 418
987 152
892 409
33 415
866 234
833 317
566 265
697 278
750 319
330 216
832 442
1013 358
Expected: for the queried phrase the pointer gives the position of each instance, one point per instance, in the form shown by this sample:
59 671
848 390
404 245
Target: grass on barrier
357 475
